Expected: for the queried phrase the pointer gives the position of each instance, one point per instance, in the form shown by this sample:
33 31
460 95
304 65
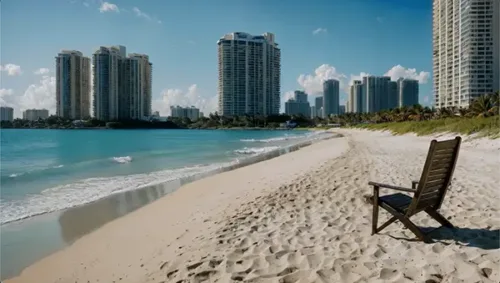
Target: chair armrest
397 188
414 184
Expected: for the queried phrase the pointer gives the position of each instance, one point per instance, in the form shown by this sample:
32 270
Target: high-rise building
122 85
298 104
393 95
318 109
35 114
6 113
376 90
106 62
407 92
356 100
135 87
330 98
342 109
192 112
249 74
72 85
466 50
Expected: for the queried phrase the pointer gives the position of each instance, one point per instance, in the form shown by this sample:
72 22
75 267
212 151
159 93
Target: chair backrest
436 175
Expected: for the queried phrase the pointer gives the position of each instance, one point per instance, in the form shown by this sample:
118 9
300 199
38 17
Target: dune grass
483 127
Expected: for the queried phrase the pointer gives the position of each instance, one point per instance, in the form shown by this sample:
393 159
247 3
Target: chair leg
389 222
375 210
407 222
439 218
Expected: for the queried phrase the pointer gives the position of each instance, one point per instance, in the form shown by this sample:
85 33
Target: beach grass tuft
483 127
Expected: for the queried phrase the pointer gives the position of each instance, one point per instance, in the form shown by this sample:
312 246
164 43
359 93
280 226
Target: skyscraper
122 85
466 50
249 74
72 85
393 95
106 61
330 98
298 104
6 113
375 91
407 92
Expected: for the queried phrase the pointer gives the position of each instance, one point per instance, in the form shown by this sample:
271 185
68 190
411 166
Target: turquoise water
50 170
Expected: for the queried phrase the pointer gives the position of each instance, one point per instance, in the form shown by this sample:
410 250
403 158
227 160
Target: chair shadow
479 238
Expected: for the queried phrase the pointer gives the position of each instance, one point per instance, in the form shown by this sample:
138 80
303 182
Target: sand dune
301 217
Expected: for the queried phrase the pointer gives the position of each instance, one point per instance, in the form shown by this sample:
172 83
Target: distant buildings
192 112
373 94
407 92
72 85
298 105
318 109
6 113
466 50
342 109
122 85
249 74
330 98
35 114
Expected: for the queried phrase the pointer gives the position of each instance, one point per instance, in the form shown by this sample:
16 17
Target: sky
319 39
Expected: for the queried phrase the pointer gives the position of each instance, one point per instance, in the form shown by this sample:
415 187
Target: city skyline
185 71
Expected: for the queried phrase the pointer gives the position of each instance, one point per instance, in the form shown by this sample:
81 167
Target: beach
299 217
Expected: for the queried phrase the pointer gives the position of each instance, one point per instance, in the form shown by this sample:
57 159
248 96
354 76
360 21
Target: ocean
45 172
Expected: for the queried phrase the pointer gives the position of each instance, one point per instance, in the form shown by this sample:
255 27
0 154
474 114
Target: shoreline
118 205
299 217
197 194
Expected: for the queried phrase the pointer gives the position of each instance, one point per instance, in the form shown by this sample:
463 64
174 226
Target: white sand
300 217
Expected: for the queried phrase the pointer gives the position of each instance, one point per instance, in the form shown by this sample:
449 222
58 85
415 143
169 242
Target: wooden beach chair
428 193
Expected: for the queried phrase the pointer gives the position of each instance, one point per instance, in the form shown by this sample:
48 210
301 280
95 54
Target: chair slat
436 177
446 144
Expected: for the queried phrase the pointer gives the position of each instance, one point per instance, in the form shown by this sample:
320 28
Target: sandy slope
257 225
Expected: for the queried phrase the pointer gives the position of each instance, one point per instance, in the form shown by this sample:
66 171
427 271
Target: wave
286 137
256 150
15 175
92 189
122 159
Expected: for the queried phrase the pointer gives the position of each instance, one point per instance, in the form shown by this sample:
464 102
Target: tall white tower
249 74
466 50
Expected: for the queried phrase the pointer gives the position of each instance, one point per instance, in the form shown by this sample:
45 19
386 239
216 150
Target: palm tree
484 106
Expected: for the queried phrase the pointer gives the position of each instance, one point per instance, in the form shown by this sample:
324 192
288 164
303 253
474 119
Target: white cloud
11 69
144 15
191 97
40 95
399 71
313 84
108 7
319 30
42 71
6 96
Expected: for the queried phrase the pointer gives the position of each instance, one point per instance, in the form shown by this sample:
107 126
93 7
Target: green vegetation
482 126
481 117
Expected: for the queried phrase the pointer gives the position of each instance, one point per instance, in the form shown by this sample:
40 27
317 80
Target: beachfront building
356 97
192 112
72 85
249 74
318 103
330 98
35 114
298 105
407 92
373 94
122 85
342 109
466 50
6 113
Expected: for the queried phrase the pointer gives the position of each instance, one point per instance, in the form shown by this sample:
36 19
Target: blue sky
352 37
